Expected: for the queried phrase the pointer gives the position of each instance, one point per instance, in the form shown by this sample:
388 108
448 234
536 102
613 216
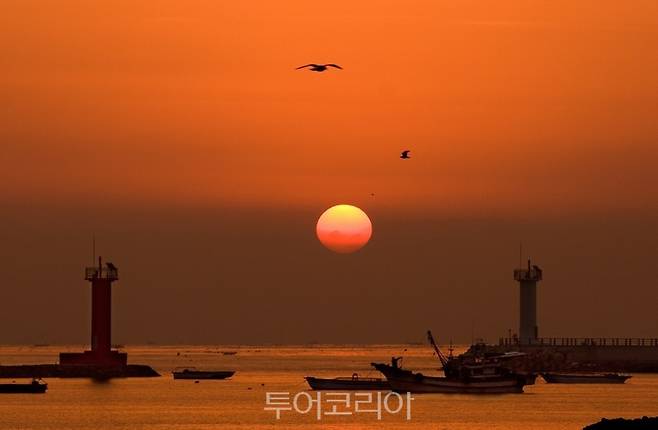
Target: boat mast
442 358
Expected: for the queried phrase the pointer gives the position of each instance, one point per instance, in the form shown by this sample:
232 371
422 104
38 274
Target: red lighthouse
101 353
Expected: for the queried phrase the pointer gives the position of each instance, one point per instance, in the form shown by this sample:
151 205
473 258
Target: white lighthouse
528 278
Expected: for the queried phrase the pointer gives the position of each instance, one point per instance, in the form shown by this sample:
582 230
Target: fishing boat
354 383
402 381
466 375
192 373
35 387
585 378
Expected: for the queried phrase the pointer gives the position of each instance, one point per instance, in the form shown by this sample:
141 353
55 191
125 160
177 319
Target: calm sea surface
162 403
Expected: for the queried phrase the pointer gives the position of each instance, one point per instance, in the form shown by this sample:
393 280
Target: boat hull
432 384
530 378
346 384
23 388
563 378
197 374
403 381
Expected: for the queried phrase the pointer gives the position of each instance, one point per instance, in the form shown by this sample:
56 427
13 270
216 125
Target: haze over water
165 404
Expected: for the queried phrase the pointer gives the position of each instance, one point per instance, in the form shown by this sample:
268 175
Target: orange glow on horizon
344 229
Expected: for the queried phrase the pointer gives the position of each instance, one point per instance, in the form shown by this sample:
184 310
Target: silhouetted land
644 423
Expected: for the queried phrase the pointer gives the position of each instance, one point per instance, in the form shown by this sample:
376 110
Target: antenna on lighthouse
520 254
93 249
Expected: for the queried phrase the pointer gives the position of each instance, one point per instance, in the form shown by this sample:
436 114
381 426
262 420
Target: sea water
240 402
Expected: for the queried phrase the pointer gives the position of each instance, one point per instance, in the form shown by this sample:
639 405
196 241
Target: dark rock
644 423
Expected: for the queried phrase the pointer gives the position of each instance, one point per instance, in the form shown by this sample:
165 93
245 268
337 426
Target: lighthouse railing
101 273
582 341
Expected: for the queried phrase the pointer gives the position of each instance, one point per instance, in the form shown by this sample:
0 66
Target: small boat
353 383
35 387
585 378
229 352
192 373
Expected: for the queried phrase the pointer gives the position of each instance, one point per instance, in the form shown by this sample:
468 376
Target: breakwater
59 371
611 355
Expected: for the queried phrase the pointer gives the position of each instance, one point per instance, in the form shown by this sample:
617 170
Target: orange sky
548 103
180 135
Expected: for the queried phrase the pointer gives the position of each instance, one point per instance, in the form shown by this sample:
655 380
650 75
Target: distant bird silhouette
111 266
405 154
319 67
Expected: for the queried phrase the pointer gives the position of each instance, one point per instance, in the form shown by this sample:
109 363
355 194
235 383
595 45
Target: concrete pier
78 371
582 354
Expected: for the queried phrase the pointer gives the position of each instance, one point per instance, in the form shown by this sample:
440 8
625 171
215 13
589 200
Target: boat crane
442 358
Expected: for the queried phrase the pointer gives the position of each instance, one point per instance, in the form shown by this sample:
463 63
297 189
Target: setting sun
344 228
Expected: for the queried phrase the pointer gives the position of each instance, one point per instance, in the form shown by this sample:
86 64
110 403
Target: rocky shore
644 423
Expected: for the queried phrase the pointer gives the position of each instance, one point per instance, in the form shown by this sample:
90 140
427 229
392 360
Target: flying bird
319 67
405 154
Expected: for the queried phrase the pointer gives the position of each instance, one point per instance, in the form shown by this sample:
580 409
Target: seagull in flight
405 154
319 67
